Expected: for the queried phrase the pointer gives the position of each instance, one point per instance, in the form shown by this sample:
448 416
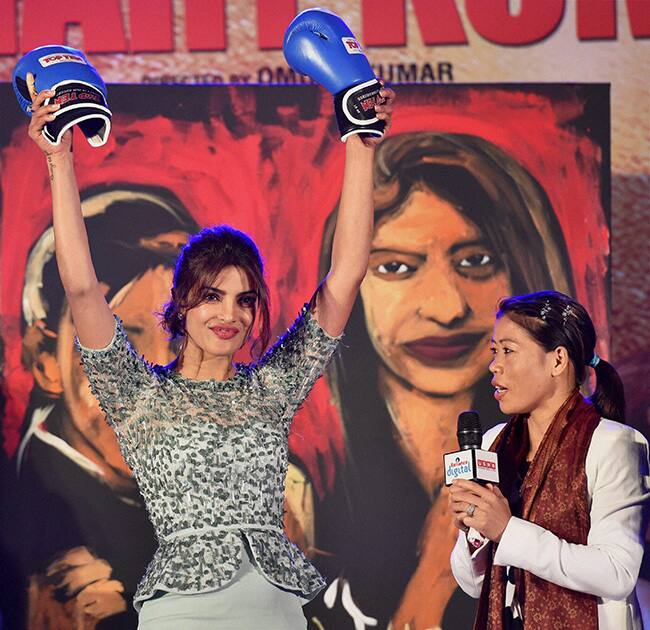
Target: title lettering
151 25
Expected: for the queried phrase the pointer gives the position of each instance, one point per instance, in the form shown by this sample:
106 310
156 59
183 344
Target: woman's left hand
384 110
491 509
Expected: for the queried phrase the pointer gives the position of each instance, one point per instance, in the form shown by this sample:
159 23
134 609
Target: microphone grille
469 430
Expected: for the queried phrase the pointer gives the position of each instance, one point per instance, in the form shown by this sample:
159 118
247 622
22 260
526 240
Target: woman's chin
508 408
216 347
437 381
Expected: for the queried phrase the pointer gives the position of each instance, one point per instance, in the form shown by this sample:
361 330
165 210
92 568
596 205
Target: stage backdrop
511 193
428 41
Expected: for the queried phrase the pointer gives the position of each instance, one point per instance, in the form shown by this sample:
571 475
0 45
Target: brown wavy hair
200 262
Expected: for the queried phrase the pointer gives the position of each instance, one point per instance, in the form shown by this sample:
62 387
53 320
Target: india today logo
50 60
352 46
484 463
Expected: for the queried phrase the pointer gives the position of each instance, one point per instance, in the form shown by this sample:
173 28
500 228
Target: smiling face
524 375
430 294
221 323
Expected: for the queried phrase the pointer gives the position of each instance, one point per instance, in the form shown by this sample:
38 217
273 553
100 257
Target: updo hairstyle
199 264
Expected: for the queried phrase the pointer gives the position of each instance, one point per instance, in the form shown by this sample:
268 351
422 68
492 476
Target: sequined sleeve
123 383
296 361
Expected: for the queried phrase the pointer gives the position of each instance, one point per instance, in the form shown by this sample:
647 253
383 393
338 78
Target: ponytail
609 396
553 319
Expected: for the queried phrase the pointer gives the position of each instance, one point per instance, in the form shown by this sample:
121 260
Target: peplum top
210 457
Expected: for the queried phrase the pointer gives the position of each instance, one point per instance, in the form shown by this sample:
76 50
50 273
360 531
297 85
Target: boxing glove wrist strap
81 104
355 110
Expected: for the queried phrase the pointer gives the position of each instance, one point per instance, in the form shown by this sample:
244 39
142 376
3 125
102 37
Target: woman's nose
442 301
494 366
226 311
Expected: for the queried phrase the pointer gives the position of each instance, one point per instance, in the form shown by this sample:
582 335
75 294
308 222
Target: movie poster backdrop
513 195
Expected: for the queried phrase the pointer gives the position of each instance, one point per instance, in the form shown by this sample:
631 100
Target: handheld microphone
471 462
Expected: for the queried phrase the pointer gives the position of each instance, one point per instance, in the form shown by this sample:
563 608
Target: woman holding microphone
565 526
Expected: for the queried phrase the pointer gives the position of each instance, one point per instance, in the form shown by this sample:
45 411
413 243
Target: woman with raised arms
206 437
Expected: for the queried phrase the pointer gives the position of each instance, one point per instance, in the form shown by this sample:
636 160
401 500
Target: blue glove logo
50 60
352 46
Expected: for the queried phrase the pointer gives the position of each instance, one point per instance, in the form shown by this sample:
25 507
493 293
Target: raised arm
91 314
354 228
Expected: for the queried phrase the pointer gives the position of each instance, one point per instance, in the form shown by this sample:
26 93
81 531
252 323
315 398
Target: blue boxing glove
319 44
78 89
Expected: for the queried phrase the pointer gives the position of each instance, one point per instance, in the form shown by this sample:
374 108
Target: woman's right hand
41 115
457 507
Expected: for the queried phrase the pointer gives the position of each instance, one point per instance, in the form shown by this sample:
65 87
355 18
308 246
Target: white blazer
608 565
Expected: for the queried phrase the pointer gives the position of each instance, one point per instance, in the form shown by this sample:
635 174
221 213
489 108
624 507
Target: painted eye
479 265
395 267
477 260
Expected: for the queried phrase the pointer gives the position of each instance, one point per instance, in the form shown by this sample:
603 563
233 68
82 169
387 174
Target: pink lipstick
224 332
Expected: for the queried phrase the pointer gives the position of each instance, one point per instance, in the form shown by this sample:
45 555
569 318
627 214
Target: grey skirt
248 602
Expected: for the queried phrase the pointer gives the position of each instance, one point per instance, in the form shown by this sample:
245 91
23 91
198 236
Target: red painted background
280 181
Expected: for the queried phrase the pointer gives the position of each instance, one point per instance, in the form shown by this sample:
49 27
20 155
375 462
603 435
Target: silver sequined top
210 457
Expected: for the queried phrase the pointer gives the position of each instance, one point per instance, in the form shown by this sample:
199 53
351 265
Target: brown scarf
554 496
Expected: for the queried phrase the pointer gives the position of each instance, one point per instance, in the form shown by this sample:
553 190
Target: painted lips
224 332
436 350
